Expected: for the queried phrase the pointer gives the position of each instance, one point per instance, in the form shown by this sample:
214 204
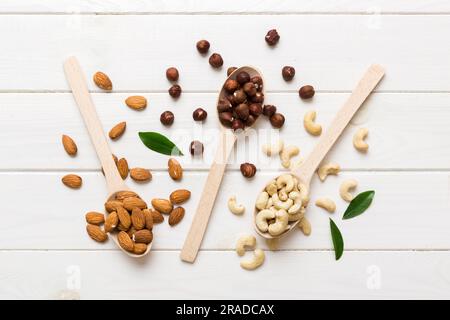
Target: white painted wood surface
398 249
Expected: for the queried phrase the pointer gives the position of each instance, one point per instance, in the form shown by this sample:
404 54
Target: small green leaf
338 242
359 204
159 143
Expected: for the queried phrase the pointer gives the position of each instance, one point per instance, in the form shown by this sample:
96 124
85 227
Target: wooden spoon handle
365 86
77 83
208 197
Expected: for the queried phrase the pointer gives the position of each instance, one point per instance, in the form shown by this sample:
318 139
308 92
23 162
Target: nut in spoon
114 182
227 140
304 173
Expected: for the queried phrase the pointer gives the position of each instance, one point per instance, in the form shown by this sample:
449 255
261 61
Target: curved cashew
271 149
296 197
262 217
281 223
261 201
328 169
271 187
358 140
281 204
234 207
327 204
283 195
255 262
287 153
243 242
285 181
344 189
269 203
305 226
304 193
297 216
309 124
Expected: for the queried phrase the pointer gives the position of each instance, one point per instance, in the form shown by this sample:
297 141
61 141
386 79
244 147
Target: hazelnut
306 92
272 37
242 111
248 170
196 148
175 91
226 118
288 73
231 85
199 114
167 118
277 120
172 74
203 46
250 120
242 77
250 89
255 109
239 96
230 98
237 124
224 105
257 80
215 60
258 97
230 70
269 110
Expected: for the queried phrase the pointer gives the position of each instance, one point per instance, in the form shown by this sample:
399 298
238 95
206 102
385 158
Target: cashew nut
243 242
269 203
285 181
304 193
327 204
309 124
281 223
271 187
298 215
255 261
283 195
287 153
262 217
261 201
328 169
234 207
344 189
273 149
358 140
281 204
296 197
305 226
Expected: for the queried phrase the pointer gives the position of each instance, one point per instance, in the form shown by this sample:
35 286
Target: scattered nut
122 167
272 37
277 120
306 92
248 170
288 73
118 130
305 226
328 169
157 216
96 233
96 218
287 153
72 181
196 148
215 60
234 207
269 110
358 140
176 216
140 174
162 205
179 196
175 91
102 81
175 169
203 46
255 262
199 114
167 118
327 204
69 145
136 102
172 74
246 241
344 189
310 126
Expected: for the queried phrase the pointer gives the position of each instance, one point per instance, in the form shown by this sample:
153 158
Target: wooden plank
410 211
135 50
406 131
289 275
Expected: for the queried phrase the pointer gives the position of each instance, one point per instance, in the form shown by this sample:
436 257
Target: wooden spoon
114 182
306 170
211 188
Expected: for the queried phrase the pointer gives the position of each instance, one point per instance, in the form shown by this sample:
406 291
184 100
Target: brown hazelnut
226 118
230 70
215 60
250 89
199 114
258 97
175 91
269 110
237 125
242 111
203 46
239 96
224 105
196 148
250 120
288 73
231 85
230 98
255 109
257 80
306 92
242 77
277 120
172 74
272 37
167 118
248 170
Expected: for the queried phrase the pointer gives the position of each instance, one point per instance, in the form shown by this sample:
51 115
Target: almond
140 248
130 232
133 202
72 181
138 219
143 236
121 227
125 194
96 233
149 218
136 102
111 221
162 205
175 169
122 167
69 145
102 81
176 216
157 216
117 130
95 218
140 174
112 205
125 241
124 217
180 196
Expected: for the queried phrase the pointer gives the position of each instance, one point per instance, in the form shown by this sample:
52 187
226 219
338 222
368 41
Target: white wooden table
397 249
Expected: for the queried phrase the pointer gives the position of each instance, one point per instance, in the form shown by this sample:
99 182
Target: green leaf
359 204
338 242
159 143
